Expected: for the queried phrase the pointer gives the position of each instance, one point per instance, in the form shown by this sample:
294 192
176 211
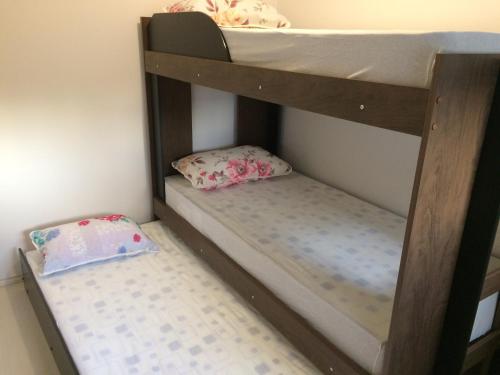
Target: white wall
72 123
478 15
374 164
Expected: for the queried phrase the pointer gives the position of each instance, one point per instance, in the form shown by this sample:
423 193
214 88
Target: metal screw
362 107
434 126
157 66
331 369
260 87
198 75
253 297
201 251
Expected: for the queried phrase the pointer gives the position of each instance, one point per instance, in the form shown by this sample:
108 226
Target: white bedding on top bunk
395 57
163 313
332 257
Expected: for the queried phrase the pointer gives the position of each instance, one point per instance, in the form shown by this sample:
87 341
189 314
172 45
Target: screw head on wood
253 297
434 126
157 66
438 99
331 369
362 107
198 75
260 87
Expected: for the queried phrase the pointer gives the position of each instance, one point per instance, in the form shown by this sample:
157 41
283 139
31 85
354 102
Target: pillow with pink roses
224 167
232 13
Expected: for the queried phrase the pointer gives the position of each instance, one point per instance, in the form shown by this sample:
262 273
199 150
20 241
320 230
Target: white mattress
332 257
395 57
164 313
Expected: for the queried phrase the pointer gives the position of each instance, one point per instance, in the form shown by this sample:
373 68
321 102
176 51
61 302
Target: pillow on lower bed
221 168
70 245
233 13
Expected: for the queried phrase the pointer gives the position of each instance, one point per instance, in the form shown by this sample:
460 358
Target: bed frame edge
57 345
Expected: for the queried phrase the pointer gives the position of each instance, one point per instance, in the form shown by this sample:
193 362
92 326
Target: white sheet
395 57
332 257
164 313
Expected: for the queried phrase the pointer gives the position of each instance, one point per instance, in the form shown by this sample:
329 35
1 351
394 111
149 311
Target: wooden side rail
392 107
55 340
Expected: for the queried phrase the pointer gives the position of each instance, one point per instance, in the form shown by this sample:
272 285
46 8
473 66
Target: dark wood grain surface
257 123
476 245
386 106
54 337
457 115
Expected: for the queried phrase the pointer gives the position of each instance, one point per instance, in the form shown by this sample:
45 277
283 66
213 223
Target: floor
23 349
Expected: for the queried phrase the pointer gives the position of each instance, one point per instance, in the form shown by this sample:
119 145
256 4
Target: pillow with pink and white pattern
233 13
224 167
86 241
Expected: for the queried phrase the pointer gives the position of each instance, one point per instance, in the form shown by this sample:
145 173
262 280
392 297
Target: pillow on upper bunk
70 245
233 13
221 168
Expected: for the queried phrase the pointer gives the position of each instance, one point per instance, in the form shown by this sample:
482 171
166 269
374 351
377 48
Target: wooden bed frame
454 207
455 202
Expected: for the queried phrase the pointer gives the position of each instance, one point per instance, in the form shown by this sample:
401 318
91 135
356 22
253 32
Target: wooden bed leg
169 118
456 120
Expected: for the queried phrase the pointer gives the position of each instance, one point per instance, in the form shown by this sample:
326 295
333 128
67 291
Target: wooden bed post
257 123
169 118
475 251
456 120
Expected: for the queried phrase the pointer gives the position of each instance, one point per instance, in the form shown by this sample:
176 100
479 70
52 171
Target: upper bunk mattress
394 57
162 313
331 257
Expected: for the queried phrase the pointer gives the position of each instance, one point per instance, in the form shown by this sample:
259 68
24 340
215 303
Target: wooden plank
200 35
148 82
457 114
296 329
476 244
397 108
174 119
57 345
481 349
491 284
257 123
169 121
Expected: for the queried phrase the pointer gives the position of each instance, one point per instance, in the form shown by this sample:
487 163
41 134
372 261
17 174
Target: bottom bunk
331 257
163 313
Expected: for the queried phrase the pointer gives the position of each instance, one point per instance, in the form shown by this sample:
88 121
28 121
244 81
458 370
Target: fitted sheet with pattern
398 57
330 256
164 313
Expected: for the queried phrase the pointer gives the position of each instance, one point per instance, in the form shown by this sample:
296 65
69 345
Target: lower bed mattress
164 313
331 257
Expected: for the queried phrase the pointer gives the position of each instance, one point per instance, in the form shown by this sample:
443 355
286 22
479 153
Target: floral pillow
233 13
221 168
70 245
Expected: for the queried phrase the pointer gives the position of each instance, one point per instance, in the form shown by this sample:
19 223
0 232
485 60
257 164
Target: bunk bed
454 208
162 313
424 276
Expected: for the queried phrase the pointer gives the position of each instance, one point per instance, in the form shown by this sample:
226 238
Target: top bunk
378 78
